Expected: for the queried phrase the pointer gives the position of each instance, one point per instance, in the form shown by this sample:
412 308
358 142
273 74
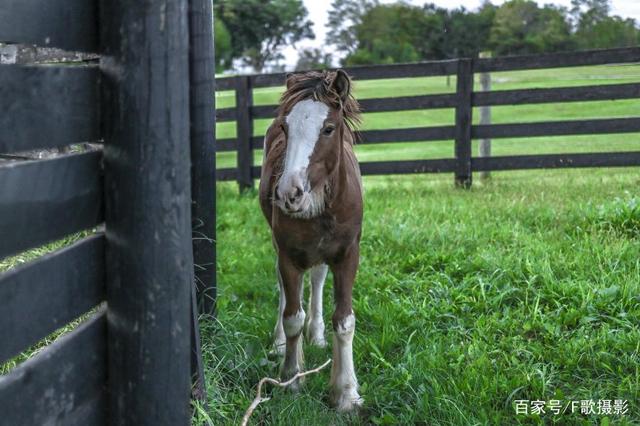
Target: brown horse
311 196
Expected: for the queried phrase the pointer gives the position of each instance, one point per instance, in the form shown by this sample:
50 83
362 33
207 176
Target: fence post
464 110
484 146
203 151
203 177
149 264
244 102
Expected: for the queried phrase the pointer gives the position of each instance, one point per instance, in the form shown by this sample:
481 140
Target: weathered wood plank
616 159
415 134
263 111
64 384
374 168
226 114
47 107
401 103
406 167
224 145
226 83
66 24
373 72
557 94
550 161
38 298
557 128
404 103
464 110
227 174
41 201
148 210
557 60
203 159
244 126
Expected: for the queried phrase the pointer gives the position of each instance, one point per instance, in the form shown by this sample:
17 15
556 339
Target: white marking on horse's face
305 122
295 197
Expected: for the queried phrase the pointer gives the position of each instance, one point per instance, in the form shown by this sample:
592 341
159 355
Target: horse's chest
316 242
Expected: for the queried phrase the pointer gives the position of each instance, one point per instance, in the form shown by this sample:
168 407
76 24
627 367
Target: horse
311 196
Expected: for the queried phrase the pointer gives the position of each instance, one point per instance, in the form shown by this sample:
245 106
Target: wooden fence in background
131 280
462 131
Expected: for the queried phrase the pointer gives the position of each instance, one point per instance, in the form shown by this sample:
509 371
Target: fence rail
462 131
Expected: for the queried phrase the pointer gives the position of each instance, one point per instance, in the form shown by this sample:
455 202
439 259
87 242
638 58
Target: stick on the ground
258 399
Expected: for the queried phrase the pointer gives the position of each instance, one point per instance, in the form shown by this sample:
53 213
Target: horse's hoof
348 402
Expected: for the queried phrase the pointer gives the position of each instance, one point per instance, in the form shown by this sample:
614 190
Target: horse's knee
344 326
293 324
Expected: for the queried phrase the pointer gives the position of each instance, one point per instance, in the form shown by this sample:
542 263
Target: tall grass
525 287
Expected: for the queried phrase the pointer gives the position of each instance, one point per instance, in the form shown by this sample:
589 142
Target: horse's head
318 109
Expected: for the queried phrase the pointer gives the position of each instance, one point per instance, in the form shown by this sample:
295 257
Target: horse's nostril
298 192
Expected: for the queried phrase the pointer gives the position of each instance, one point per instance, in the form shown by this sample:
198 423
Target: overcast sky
318 10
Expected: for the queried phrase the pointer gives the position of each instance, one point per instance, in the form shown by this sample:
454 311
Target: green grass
525 287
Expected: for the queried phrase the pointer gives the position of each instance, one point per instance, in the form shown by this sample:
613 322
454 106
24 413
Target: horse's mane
319 87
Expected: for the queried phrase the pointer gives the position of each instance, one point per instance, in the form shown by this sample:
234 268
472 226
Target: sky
318 10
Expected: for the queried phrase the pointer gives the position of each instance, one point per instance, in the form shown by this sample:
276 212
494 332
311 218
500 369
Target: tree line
362 32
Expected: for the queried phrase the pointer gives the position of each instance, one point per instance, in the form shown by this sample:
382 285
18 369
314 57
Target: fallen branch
259 399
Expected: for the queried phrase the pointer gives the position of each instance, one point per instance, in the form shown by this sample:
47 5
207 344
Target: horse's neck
344 171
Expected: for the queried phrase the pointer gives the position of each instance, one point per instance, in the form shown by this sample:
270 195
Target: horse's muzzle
291 192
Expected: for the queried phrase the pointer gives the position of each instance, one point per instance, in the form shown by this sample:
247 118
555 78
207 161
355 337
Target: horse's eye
328 130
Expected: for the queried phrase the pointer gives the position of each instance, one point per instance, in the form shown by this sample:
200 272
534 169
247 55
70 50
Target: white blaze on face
305 122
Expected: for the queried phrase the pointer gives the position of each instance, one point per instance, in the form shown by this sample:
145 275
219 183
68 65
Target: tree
521 27
403 33
467 33
388 34
594 28
260 28
589 12
222 39
313 59
344 18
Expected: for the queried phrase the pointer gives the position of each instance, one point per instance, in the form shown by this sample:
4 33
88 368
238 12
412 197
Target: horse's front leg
280 339
344 385
315 325
292 318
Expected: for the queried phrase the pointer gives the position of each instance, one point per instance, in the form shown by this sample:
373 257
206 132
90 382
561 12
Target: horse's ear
342 84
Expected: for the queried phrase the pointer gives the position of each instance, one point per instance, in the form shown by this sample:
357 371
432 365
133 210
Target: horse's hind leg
280 340
315 324
292 319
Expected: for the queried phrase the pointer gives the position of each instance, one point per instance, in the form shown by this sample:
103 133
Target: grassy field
523 288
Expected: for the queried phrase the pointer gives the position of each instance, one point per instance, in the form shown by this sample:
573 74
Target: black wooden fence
130 361
462 131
